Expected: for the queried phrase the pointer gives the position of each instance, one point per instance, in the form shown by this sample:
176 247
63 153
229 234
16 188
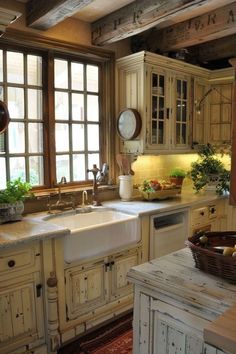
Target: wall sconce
199 104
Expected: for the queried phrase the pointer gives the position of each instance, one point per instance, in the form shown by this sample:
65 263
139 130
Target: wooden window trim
23 40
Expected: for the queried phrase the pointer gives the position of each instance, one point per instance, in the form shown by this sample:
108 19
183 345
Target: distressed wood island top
175 277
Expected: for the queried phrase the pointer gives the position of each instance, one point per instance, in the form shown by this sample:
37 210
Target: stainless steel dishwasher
168 232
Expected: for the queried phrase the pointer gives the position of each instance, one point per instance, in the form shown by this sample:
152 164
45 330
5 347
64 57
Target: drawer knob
11 263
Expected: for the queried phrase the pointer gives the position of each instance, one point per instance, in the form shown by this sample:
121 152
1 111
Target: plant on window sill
11 200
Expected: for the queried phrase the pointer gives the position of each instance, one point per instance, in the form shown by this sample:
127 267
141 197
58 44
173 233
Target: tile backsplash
159 167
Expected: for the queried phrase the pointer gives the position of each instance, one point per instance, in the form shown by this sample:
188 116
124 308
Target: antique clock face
129 124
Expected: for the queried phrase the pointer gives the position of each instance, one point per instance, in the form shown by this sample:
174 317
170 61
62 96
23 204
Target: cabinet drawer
19 258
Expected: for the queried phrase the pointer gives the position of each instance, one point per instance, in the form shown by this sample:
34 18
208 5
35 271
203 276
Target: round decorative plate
129 124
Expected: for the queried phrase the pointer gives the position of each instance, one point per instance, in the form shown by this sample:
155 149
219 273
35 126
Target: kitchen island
176 305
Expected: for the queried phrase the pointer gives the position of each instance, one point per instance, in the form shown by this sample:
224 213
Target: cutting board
222 332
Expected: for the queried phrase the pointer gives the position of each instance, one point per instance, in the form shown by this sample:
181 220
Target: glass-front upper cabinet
181 111
158 111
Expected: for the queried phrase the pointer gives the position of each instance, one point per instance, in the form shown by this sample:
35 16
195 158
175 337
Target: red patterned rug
113 338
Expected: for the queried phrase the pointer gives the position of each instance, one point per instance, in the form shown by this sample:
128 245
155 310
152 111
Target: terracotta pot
177 180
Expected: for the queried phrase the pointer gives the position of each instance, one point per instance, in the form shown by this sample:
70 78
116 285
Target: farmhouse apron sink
97 233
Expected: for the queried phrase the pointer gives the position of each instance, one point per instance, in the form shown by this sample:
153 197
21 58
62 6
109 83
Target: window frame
49 50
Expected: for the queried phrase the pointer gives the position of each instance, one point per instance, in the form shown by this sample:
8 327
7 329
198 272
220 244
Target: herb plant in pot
209 172
12 200
177 176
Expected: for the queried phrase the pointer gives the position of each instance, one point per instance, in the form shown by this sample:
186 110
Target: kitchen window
55 127
21 147
77 118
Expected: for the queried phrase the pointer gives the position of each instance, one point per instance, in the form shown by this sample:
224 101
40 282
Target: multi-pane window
77 118
22 151
70 117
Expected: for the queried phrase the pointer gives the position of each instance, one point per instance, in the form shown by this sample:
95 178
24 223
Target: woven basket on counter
209 259
161 194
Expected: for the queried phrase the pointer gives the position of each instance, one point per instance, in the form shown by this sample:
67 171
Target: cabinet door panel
85 289
175 341
122 265
181 86
21 313
220 114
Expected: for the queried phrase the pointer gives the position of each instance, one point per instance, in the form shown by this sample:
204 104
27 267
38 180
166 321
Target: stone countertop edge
32 227
143 207
28 230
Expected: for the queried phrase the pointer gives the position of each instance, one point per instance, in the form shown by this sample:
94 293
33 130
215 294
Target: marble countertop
143 207
32 227
28 229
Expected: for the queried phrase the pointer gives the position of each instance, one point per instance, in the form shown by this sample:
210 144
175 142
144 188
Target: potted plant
209 171
177 176
11 200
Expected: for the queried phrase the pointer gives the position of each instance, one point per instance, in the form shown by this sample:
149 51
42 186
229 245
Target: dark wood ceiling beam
212 25
218 49
140 16
44 14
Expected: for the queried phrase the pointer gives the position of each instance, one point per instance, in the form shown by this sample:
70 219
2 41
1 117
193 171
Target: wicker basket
209 259
161 194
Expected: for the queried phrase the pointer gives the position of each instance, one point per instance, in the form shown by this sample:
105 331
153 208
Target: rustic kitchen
118 170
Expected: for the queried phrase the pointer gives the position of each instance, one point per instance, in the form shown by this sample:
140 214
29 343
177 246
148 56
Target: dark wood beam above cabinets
212 25
141 15
215 50
44 14
208 40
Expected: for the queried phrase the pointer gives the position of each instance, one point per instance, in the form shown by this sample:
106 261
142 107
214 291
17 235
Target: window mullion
25 120
49 125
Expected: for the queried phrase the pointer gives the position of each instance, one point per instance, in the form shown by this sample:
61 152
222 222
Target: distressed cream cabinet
174 302
176 330
166 92
21 301
161 89
220 102
94 290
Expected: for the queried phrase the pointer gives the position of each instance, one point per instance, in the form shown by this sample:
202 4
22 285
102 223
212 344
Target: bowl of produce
155 189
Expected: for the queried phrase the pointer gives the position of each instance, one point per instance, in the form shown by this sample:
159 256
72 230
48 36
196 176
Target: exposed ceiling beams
207 28
140 16
44 14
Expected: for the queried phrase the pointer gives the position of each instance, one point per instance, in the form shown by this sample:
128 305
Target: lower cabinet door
121 264
85 288
21 313
167 329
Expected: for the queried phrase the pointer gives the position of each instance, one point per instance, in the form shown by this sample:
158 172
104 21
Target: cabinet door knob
11 263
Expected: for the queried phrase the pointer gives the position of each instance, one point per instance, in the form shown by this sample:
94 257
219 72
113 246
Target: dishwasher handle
169 228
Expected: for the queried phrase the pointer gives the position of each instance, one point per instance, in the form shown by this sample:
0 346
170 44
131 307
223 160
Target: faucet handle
63 180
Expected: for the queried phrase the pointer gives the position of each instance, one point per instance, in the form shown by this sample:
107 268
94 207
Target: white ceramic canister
126 187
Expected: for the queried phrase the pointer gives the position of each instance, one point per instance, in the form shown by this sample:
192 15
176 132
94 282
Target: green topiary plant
205 167
15 191
177 172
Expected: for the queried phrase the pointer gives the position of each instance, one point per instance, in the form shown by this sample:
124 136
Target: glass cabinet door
158 115
181 113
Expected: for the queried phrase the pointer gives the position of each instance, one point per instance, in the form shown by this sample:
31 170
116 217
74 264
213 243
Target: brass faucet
95 200
60 204
62 181
84 198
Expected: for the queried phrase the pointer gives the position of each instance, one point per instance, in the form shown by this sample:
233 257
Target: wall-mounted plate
129 124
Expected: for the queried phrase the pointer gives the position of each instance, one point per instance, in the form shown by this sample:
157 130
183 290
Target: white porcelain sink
96 233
